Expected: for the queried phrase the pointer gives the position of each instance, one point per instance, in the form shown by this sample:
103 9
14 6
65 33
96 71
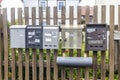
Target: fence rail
37 64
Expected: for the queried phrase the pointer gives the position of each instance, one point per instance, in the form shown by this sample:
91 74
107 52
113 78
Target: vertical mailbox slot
96 37
51 37
34 36
17 36
71 38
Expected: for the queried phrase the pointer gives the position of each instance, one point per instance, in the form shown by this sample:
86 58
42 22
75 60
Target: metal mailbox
71 38
96 37
34 36
17 36
51 37
116 35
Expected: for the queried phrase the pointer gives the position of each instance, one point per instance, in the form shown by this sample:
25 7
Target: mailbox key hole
55 45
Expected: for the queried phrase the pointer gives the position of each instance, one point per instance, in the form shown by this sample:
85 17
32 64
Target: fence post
5 30
103 53
111 63
1 46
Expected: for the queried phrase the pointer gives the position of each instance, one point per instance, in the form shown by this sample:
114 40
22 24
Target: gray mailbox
34 36
51 37
17 36
96 37
71 37
75 61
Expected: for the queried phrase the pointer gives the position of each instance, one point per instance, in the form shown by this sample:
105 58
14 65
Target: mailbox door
96 37
17 37
50 37
71 38
34 37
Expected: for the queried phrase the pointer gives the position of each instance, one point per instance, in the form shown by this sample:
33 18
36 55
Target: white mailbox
17 36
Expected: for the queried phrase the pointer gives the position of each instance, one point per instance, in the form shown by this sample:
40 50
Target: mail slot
34 36
71 37
17 36
96 37
75 61
51 37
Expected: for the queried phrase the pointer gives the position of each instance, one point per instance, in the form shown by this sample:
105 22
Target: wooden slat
20 68
94 65
27 66
63 15
63 68
103 53
55 16
71 16
34 73
48 70
55 65
55 51
78 15
118 43
40 15
95 52
1 46
13 50
87 52
48 15
5 30
71 69
78 50
78 69
111 63
41 67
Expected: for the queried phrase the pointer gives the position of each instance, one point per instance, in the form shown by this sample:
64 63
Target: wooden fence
37 64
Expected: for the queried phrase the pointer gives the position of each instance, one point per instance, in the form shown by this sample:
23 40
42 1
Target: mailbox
17 36
116 35
34 36
96 37
51 37
71 37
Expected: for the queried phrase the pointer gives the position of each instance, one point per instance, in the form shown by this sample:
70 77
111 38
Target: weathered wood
118 57
78 15
94 65
20 68
34 73
63 68
103 53
48 70
87 52
1 46
48 15
41 67
71 69
55 51
55 16
63 16
5 30
111 47
71 16
55 65
27 66
13 50
95 52
78 69
40 15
